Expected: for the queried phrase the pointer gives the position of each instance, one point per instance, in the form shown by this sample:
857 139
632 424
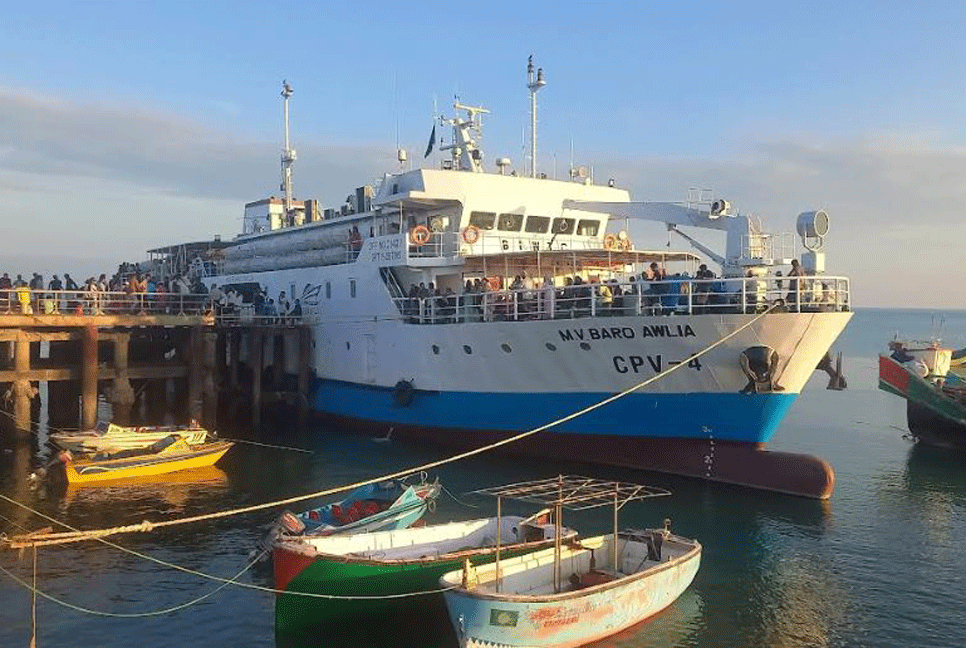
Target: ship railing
451 244
678 296
245 316
27 301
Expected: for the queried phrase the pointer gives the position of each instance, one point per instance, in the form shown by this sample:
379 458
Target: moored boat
595 603
112 437
562 597
169 455
388 563
930 378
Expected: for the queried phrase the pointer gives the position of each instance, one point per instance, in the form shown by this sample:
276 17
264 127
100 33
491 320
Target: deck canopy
574 492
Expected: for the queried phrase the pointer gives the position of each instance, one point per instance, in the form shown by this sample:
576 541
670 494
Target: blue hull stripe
728 417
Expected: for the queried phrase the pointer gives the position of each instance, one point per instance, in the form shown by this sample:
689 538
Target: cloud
896 206
106 182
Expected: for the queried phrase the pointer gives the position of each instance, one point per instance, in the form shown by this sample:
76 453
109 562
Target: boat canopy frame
573 492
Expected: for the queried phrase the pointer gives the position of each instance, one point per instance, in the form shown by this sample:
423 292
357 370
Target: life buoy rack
610 242
419 235
471 234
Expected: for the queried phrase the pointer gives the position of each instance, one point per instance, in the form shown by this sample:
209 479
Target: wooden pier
131 348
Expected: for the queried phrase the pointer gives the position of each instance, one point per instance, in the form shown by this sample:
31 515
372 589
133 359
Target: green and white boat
397 562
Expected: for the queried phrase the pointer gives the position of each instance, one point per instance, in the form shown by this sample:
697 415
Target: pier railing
632 298
26 301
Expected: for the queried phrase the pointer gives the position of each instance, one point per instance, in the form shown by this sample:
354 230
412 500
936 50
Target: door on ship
370 368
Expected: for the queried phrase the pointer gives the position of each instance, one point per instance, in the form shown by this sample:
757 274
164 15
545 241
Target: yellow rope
146 525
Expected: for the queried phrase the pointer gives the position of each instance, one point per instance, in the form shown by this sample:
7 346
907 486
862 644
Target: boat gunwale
476 593
400 562
150 460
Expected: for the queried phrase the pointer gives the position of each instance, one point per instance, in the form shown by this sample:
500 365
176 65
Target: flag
432 142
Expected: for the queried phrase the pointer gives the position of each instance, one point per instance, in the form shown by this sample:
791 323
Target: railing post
798 296
744 295
516 305
593 300
690 298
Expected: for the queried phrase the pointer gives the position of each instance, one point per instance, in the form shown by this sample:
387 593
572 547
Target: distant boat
111 437
654 569
931 379
387 563
171 454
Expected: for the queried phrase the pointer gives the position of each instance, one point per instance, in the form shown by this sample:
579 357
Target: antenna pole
288 154
534 83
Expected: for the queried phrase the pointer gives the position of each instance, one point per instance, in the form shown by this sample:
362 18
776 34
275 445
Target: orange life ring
419 235
471 234
625 245
610 242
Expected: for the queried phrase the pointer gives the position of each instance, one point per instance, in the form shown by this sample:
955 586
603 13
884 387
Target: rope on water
121 615
266 445
193 572
456 499
78 535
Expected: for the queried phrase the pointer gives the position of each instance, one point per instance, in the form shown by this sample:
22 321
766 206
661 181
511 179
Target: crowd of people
653 292
235 302
127 290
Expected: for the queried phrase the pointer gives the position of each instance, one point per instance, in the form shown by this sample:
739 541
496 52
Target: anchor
836 379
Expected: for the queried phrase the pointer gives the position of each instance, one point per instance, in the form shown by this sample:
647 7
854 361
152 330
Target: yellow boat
169 455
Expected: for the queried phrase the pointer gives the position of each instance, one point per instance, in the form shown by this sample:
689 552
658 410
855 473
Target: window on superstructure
328 290
538 224
564 225
483 220
588 227
352 287
510 222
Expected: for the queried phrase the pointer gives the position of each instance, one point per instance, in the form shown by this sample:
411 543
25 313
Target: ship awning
583 259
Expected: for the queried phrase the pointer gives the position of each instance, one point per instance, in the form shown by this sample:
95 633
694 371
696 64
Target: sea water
880 564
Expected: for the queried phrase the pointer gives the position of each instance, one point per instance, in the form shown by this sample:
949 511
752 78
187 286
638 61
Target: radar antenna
534 84
288 156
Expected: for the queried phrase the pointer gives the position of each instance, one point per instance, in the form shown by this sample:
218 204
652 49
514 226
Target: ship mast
288 156
533 84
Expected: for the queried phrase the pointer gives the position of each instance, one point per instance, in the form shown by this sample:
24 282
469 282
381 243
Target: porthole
585 346
467 349
435 349
347 347
506 347
551 347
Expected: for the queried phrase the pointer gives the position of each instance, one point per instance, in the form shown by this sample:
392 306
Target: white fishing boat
111 437
576 592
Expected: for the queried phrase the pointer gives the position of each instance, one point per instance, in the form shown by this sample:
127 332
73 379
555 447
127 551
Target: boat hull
739 463
486 620
144 466
295 572
933 417
127 441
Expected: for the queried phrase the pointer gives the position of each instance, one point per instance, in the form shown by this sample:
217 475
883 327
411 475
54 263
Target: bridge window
328 290
564 225
538 224
511 222
483 220
588 227
352 287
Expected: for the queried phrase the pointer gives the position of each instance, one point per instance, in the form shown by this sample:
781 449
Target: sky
129 125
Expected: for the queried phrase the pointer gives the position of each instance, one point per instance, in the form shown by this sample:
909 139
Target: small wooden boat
168 455
562 597
388 563
110 437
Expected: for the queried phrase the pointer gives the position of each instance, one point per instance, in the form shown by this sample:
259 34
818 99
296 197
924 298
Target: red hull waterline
742 464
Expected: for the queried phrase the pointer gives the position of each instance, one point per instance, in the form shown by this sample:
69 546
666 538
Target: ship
457 305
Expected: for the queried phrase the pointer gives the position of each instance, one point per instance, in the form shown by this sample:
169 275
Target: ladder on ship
392 282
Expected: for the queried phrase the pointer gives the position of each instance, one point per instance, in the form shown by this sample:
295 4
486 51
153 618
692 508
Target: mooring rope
146 526
119 615
266 445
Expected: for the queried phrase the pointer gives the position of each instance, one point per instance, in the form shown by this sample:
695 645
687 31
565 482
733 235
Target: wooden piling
255 357
122 394
22 388
89 375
